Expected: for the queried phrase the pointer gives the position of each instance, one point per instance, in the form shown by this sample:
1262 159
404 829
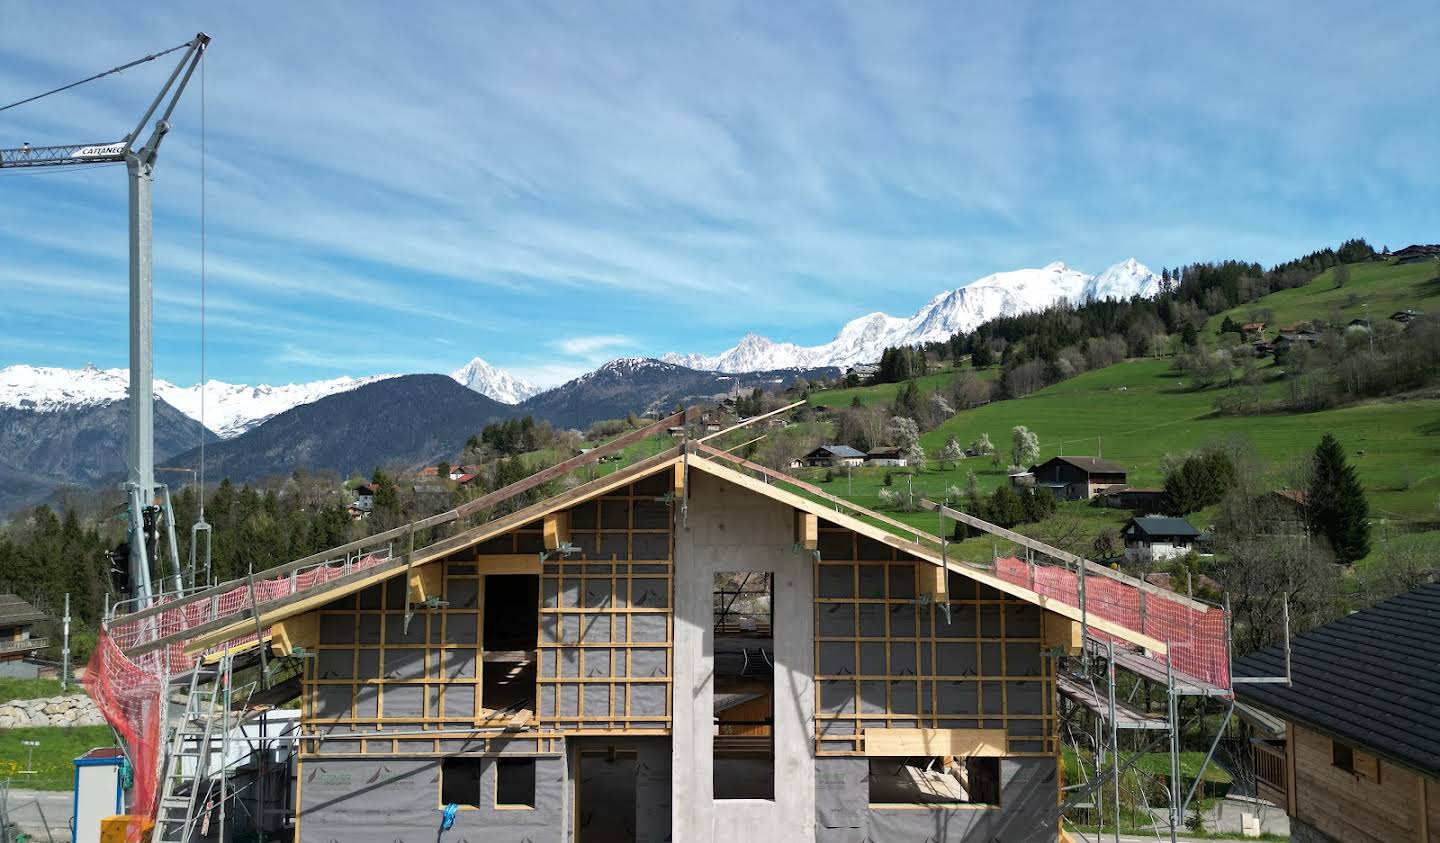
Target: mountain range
1001 294
64 426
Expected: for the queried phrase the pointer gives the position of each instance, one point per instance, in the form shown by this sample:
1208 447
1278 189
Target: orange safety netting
130 691
1196 637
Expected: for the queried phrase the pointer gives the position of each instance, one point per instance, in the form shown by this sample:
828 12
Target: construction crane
146 517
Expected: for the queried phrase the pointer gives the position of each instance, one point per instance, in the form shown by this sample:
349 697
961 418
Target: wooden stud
426 583
301 631
1059 632
934 582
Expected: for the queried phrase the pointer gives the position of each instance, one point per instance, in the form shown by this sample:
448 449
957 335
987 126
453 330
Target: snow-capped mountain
230 409
494 383
1001 294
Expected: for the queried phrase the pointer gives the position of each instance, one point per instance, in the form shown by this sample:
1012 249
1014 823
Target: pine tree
1336 503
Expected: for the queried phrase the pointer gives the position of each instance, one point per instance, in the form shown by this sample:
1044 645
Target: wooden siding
1353 807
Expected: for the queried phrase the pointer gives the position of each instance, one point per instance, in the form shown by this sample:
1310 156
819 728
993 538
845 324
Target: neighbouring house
1287 341
1134 498
1282 512
1417 253
1252 330
1077 478
777 423
864 370
885 455
430 471
1154 538
831 456
1022 480
1359 758
1406 316
365 498
17 645
464 479
676 431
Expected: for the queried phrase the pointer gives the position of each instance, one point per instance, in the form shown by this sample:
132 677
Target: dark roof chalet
838 452
1371 678
16 612
1160 526
884 452
1089 465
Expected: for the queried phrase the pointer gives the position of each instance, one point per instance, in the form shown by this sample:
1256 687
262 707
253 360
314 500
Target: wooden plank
889 743
206 635
925 554
934 582
557 530
301 631
426 583
750 421
509 563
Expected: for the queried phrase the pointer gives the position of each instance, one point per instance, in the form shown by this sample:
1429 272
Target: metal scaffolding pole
1114 736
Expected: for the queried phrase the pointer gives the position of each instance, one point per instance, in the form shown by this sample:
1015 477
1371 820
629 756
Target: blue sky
551 185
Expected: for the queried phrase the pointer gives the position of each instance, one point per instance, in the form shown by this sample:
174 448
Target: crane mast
144 513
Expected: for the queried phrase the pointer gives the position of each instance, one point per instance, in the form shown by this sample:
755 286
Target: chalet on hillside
886 455
1153 538
1077 478
1405 317
1133 498
16 642
1252 330
830 456
1358 757
1417 253
365 498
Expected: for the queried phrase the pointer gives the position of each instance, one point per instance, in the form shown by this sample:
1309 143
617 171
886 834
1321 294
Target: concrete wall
1026 810
731 529
397 800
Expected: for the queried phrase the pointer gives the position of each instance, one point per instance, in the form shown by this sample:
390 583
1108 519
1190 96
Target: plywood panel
963 742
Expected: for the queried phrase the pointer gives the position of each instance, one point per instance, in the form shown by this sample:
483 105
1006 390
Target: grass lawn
884 393
32 689
54 757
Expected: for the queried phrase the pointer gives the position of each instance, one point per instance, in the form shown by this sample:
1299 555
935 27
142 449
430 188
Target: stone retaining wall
73 710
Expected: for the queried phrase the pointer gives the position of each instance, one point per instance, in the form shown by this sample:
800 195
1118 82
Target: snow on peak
230 409
494 383
964 309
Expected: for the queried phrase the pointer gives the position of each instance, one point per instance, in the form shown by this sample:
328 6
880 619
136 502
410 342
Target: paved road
53 804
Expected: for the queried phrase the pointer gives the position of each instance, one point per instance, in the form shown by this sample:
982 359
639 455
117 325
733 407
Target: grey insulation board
397 800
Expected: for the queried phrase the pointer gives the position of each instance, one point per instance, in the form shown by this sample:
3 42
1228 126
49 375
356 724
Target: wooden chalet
1359 757
1077 478
16 641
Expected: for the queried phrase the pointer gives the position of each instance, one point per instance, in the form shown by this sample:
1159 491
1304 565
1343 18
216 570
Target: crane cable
112 70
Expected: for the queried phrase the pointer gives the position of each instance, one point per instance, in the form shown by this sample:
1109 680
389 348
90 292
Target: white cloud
585 346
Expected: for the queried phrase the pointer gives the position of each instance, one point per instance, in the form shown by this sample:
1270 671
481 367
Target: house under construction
691 648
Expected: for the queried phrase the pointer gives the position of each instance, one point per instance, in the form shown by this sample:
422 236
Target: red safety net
1196 636
129 690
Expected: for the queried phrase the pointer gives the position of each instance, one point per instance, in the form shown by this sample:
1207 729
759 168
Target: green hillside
1375 290
1136 412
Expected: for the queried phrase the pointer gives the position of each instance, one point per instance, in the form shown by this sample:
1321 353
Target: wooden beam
934 582
807 530
299 632
750 421
426 583
509 563
557 530
930 742
678 481
1060 632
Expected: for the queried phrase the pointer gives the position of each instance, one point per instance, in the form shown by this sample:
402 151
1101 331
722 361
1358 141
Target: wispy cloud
584 346
658 177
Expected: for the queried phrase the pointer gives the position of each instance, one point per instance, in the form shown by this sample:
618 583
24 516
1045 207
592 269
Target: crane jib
109 150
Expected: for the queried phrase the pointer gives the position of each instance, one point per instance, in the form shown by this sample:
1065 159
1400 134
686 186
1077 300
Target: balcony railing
1270 770
24 645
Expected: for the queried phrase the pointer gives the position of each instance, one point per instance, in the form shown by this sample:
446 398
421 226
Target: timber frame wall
605 635
886 659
